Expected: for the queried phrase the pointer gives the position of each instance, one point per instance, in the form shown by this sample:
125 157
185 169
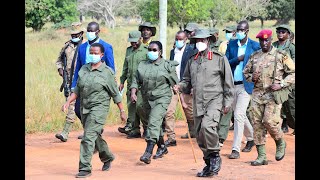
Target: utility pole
163 25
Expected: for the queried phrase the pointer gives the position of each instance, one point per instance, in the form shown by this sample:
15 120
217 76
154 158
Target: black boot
146 157
215 163
248 146
206 170
284 126
162 149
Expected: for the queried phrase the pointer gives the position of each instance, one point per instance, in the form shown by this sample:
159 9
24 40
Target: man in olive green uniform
69 51
214 39
147 31
288 108
190 30
209 75
136 53
264 111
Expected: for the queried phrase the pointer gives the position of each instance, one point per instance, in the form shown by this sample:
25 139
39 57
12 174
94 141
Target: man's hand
65 107
176 88
241 58
123 116
121 87
60 70
275 87
225 109
133 98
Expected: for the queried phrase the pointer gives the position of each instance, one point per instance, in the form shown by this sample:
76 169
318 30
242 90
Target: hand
133 98
255 76
184 105
226 109
65 107
123 116
60 72
176 88
275 87
240 58
121 87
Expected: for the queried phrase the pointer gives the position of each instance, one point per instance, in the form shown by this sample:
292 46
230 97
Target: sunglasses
281 31
154 50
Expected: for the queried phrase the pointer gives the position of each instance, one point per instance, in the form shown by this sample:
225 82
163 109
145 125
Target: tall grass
43 100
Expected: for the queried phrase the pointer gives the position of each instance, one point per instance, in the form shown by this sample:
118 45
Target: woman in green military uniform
156 77
95 86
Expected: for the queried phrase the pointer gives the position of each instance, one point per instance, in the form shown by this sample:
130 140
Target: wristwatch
122 110
281 84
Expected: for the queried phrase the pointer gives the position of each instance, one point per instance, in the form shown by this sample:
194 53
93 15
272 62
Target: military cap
230 28
148 25
201 33
76 28
192 26
134 36
284 26
213 30
264 34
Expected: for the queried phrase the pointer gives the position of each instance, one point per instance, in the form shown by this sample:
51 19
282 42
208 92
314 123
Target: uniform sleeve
234 61
185 84
124 77
136 79
248 70
228 86
108 57
172 76
76 71
59 62
293 52
289 71
112 89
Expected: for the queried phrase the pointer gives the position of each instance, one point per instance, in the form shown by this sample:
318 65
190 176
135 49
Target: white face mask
201 46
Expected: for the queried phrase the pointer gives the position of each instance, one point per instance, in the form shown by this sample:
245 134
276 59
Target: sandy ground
47 158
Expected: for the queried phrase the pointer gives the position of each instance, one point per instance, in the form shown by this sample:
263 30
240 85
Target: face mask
228 36
75 40
201 46
240 35
93 58
179 43
152 56
91 35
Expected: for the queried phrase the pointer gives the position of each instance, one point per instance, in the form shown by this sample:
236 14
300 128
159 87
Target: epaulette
170 65
217 52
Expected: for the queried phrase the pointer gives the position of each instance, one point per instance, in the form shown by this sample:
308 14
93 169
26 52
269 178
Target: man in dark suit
238 53
181 53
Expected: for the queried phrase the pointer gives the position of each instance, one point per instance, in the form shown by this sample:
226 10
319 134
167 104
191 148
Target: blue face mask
152 56
93 58
91 35
75 40
240 35
179 43
228 36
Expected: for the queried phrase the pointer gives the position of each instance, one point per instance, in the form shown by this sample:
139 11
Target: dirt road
47 158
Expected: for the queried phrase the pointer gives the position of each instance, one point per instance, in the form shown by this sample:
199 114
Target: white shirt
178 57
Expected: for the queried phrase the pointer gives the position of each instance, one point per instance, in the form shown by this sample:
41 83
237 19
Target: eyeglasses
281 31
154 50
241 30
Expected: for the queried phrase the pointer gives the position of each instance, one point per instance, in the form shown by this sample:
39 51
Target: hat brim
133 39
200 36
76 32
153 29
227 29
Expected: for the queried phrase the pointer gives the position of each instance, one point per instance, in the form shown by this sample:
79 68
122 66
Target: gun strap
73 61
275 67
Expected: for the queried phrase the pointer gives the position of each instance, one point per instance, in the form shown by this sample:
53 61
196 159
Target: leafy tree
37 13
64 11
281 10
222 11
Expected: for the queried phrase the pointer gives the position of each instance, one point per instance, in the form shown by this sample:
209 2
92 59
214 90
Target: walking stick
189 137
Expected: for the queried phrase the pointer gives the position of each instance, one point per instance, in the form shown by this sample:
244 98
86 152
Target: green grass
43 100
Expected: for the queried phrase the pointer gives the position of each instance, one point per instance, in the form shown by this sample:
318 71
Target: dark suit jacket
232 55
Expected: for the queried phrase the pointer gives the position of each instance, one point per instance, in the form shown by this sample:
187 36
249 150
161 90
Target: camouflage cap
148 25
230 28
134 36
213 30
76 28
201 33
192 26
284 26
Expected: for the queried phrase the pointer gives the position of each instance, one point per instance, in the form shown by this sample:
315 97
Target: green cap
148 25
213 30
230 28
76 28
192 26
201 33
134 36
284 26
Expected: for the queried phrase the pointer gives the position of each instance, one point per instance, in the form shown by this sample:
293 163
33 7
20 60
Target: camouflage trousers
71 116
265 116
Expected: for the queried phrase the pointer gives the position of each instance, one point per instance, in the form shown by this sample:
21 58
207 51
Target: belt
238 82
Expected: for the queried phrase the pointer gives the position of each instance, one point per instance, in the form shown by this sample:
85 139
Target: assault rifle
65 84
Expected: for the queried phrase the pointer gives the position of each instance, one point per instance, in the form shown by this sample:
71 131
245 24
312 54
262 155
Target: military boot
63 136
281 149
284 126
126 129
215 163
162 149
206 170
146 157
262 157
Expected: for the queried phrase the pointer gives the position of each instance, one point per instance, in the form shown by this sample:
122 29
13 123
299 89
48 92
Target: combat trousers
155 120
170 120
71 116
224 125
206 128
288 109
242 125
265 116
140 115
93 123
189 111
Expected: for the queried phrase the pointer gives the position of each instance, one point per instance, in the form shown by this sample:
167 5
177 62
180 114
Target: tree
64 10
221 11
281 10
37 13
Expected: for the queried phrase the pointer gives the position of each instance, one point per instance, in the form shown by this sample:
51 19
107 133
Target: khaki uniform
95 88
155 80
264 112
216 45
130 66
212 85
69 48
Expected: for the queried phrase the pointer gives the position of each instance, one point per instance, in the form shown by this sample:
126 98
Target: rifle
65 84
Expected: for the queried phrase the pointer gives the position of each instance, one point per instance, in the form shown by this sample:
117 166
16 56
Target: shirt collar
100 68
245 44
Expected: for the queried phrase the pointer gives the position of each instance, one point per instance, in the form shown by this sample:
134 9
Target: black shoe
83 174
215 163
160 152
231 127
146 157
248 146
234 155
186 136
106 166
80 136
206 170
144 134
59 136
285 128
133 135
170 143
124 129
221 142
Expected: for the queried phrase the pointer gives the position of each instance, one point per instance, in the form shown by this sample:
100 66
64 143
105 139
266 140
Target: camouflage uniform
264 112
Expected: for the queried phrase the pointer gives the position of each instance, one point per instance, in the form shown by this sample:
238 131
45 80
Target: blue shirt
237 75
88 47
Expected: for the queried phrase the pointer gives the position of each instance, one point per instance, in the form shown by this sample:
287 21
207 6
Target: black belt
238 82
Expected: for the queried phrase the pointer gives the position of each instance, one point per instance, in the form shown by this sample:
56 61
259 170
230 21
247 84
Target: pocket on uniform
99 117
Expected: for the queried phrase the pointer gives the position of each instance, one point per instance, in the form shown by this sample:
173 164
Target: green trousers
224 125
288 110
140 115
